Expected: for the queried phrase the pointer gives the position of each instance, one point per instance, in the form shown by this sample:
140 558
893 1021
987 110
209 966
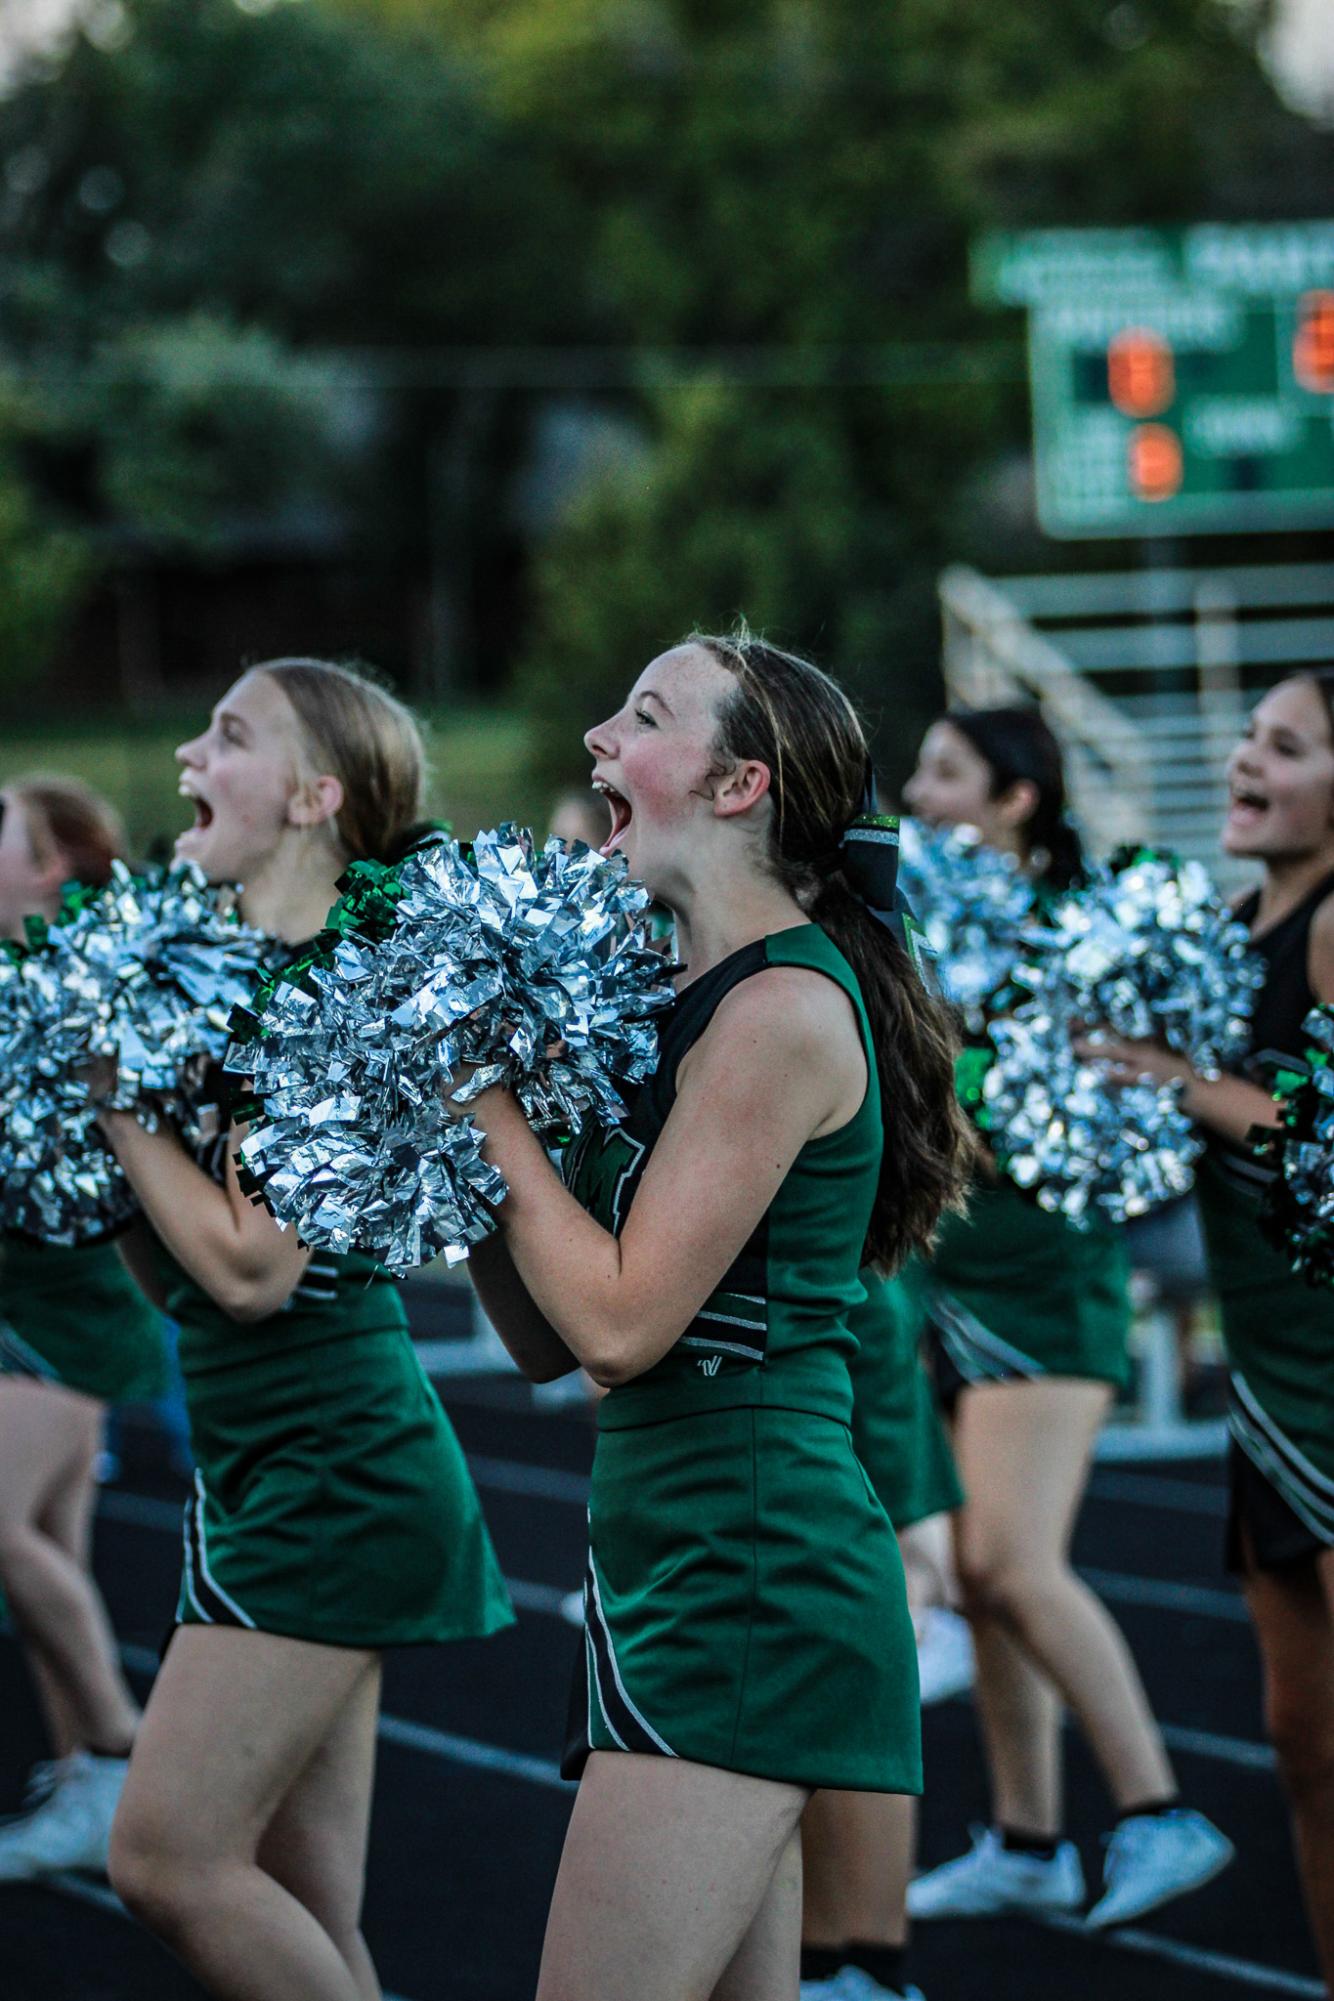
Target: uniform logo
710 1364
601 1170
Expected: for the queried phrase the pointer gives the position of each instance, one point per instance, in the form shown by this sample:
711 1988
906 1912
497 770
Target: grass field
478 769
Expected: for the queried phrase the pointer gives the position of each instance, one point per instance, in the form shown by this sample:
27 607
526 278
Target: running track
470 1811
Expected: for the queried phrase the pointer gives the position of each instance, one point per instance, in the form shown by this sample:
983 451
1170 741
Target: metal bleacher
1144 674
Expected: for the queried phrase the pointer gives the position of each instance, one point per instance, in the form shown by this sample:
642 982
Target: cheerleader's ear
315 801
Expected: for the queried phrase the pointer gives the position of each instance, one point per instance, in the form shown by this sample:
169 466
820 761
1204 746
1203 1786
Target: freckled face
240 775
653 758
1281 777
952 787
29 880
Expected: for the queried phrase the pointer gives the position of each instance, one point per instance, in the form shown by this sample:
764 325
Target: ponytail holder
868 854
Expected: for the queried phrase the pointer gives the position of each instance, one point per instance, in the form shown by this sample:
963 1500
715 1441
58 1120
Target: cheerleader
1031 1319
857 1848
332 1513
75 1335
1278 1331
748 1637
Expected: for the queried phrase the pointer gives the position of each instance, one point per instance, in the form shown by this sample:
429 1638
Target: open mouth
621 815
203 812
1246 803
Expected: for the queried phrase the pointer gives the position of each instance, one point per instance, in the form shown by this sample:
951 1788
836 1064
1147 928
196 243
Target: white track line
1165 1595
1273 1979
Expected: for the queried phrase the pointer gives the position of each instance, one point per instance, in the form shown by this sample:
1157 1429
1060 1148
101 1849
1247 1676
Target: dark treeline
500 340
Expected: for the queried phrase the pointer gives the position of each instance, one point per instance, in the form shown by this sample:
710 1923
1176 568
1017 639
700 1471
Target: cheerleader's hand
1132 1062
100 1074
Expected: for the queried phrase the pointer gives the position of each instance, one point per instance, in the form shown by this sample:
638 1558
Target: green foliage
43 573
265 264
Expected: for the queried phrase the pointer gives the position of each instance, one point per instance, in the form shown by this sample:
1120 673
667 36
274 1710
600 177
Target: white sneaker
71 1827
41 1782
852 1983
859 1985
992 1878
945 1662
1153 1857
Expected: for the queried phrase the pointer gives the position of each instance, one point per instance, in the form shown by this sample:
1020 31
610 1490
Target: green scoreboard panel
1183 380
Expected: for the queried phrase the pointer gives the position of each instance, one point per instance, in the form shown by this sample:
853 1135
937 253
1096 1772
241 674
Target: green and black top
1278 1330
776 1330
744 1601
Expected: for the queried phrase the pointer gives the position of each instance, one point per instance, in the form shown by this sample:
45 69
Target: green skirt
77 1318
1012 1292
1279 1335
332 1501
745 1605
897 1430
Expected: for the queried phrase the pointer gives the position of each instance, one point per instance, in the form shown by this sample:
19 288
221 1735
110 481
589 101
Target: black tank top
1283 1003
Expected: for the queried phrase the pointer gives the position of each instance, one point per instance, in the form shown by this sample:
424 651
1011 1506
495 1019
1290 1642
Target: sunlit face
31 872
243 777
1281 778
952 787
653 762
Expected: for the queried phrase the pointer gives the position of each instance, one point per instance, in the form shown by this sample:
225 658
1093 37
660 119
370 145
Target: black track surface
464 1848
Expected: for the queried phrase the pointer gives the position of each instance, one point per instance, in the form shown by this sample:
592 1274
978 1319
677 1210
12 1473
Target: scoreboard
1182 380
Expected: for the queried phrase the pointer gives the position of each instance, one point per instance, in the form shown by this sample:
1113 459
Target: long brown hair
67 817
792 717
367 739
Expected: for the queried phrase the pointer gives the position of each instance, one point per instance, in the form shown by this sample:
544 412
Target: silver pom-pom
1298 1215
522 966
1148 949
972 901
142 974
1083 1148
58 1181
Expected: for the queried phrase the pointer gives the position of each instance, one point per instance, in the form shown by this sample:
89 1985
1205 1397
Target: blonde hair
66 817
367 739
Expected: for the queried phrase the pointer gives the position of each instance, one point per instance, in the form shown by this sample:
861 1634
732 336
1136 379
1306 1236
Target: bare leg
765 1964
48 1445
236 1719
928 1565
1024 1452
315 1845
857 1854
666 1867
1293 1609
1020 1715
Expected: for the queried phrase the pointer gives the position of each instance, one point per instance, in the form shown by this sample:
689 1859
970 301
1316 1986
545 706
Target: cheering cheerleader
333 1515
747 1637
1031 1319
75 1334
1278 1331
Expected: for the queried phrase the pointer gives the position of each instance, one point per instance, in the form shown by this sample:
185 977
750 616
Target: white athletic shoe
991 1878
71 1826
945 1663
1153 1857
851 1983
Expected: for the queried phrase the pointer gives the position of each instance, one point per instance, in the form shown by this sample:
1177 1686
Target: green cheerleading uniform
745 1604
332 1501
897 1430
1013 1293
75 1318
1278 1330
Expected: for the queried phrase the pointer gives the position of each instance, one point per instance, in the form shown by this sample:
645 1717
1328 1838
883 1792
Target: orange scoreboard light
1141 377
1156 462
1313 343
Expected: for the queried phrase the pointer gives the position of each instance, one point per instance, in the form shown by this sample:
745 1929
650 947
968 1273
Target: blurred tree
43 569
487 206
